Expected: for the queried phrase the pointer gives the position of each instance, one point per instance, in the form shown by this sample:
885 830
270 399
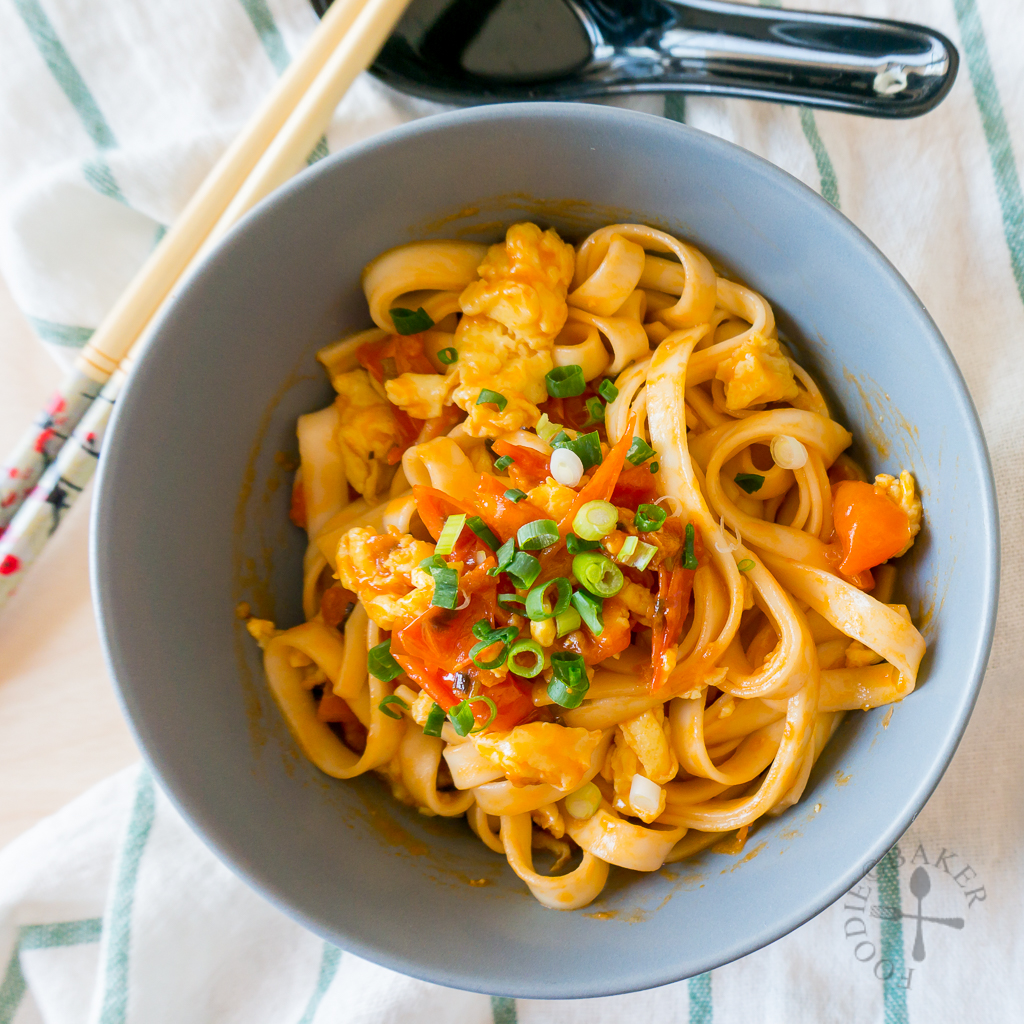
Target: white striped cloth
112 912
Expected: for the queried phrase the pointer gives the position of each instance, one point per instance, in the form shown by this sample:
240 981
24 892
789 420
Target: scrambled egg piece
506 335
549 818
901 491
262 631
647 736
541 752
367 432
757 372
619 768
421 395
553 497
384 571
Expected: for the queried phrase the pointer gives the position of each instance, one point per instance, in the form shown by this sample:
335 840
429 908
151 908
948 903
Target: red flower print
9 565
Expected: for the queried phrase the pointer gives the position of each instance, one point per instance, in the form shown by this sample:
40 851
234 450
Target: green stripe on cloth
98 174
65 335
320 150
270 35
700 999
894 992
993 121
64 71
41 936
675 107
328 969
503 1010
119 915
826 172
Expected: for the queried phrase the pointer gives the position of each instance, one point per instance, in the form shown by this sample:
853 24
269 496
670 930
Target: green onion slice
504 554
537 607
750 482
537 535
512 603
607 390
644 553
568 621
450 534
569 682
649 518
584 803
587 447
746 565
381 664
498 636
561 440
461 717
565 381
590 608
435 719
689 558
503 463
639 451
595 411
408 322
484 532
536 665
489 397
447 356
482 629
523 570
514 494
598 573
627 550
654 467
446 588
490 703
575 545
385 710
546 430
595 520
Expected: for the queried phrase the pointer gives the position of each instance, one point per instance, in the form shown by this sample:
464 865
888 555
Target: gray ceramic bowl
191 518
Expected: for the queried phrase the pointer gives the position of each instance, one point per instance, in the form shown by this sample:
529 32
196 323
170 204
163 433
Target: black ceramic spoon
488 51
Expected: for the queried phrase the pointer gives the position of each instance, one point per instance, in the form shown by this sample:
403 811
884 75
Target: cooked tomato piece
333 709
442 638
336 604
530 465
869 525
513 700
394 355
297 512
674 586
635 486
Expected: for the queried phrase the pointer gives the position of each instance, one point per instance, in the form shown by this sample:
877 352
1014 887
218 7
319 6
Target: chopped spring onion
512 603
649 518
407 321
566 467
538 534
642 558
447 356
435 719
482 629
567 621
498 636
446 588
504 554
750 482
584 803
590 609
654 467
569 682
432 563
537 607
385 710
546 430
598 573
535 667
595 411
575 545
490 703
514 494
596 519
523 570
503 463
565 381
607 390
586 446
644 795
639 451
450 534
627 550
746 565
461 717
788 452
484 532
689 558
380 663
489 397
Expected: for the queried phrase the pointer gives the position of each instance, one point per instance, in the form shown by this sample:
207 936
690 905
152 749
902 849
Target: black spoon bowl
493 51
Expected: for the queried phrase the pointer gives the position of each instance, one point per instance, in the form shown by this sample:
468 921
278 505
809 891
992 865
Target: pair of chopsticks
58 456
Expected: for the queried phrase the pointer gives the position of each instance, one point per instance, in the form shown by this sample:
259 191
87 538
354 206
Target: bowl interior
191 519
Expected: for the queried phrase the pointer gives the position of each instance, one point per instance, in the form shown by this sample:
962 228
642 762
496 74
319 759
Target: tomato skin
513 700
431 681
531 467
674 588
335 604
870 527
634 487
442 638
406 351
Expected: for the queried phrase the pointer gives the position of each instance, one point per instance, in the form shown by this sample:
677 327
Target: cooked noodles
587 562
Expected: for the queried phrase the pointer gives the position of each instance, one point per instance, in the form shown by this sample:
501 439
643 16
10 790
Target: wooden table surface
61 729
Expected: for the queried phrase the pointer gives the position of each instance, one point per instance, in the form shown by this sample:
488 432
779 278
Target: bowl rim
228 850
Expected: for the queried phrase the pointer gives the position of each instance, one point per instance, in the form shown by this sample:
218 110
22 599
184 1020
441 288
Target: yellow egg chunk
541 752
901 490
384 572
367 432
421 395
757 372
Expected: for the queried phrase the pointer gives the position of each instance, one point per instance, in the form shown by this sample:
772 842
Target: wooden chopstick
355 34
